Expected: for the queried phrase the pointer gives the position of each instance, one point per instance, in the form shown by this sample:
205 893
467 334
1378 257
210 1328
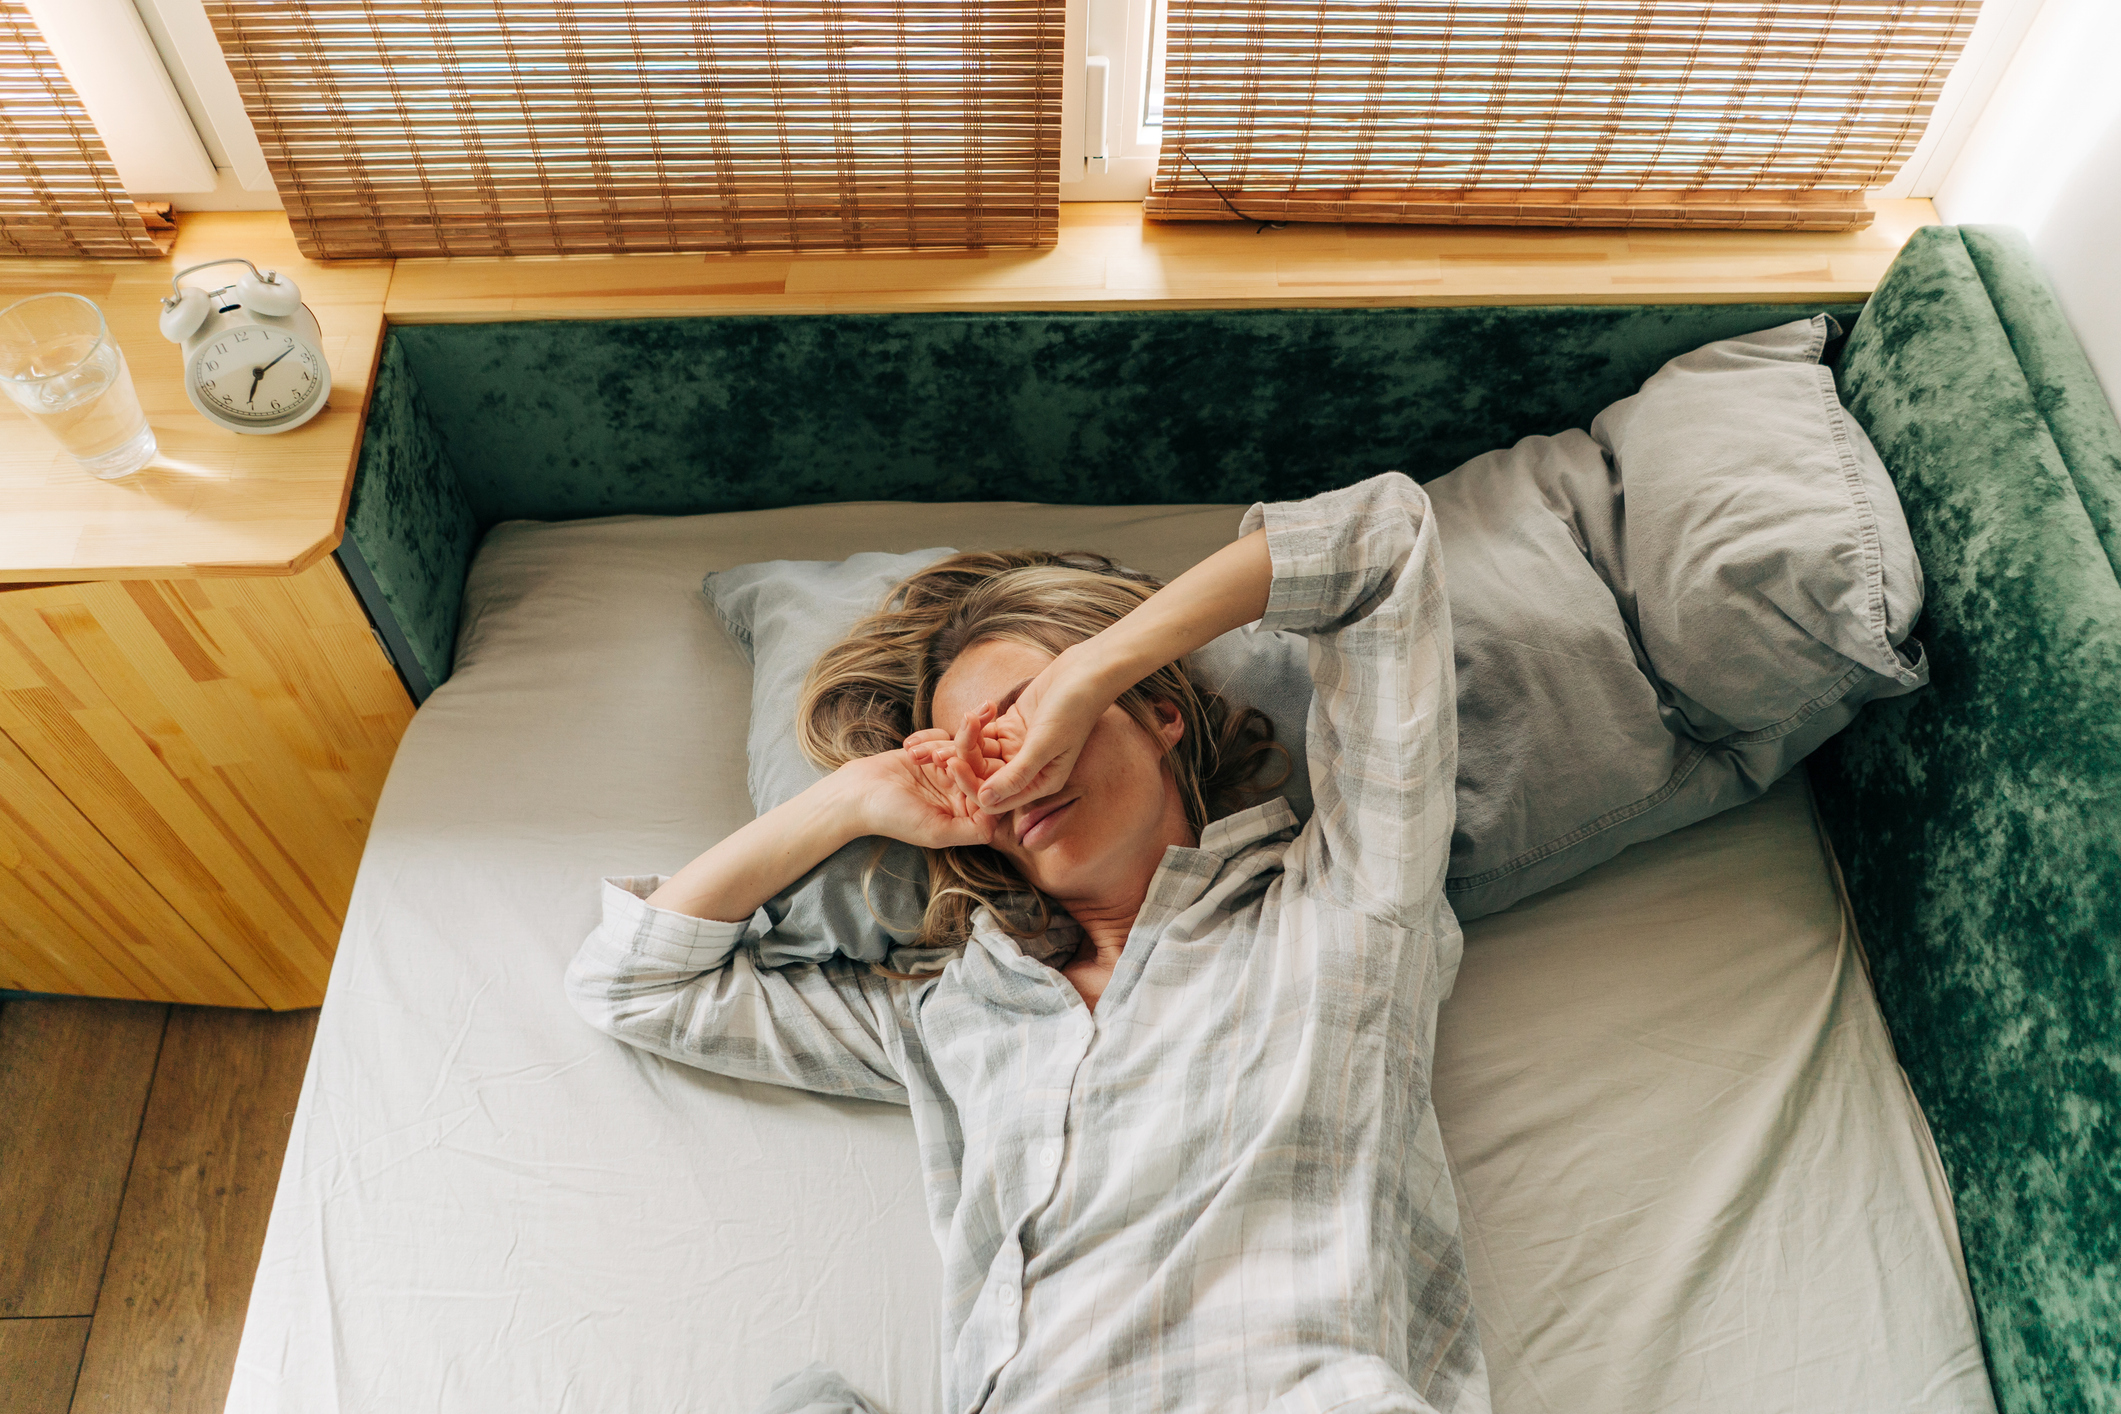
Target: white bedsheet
1692 1174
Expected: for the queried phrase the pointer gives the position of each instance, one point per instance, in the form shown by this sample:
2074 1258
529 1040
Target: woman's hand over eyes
1000 762
1042 734
979 747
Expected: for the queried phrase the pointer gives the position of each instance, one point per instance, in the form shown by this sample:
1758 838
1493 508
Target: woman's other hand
914 794
894 793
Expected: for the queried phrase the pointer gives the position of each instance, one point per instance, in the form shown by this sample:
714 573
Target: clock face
257 374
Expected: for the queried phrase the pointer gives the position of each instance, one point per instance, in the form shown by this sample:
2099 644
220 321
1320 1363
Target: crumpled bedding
1691 1175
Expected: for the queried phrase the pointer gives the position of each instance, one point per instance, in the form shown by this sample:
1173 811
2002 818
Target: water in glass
59 365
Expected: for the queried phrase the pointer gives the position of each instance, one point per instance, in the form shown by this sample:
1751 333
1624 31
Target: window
155 85
1759 113
511 127
1153 79
60 195
1108 149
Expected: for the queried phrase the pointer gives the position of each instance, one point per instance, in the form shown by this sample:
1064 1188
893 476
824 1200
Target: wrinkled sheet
1691 1174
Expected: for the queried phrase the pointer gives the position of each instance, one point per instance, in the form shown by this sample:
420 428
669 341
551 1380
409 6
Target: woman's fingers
945 772
971 729
967 760
953 768
959 820
1026 777
964 779
1004 735
940 753
1041 735
968 830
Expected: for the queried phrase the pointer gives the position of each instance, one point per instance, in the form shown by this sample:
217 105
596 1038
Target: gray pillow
1564 756
1762 558
783 614
1655 621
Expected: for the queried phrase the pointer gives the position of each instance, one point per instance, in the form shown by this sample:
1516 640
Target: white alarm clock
253 354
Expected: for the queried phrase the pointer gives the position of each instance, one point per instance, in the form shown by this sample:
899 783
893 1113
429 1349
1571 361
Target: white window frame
158 89
1116 32
1998 31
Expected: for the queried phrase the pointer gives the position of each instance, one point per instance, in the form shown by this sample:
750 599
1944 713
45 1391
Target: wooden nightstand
195 719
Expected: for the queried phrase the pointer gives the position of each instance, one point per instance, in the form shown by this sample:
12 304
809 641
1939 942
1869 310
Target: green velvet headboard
478 423
1976 820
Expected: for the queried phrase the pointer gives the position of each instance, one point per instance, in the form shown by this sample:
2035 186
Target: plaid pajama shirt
1225 1188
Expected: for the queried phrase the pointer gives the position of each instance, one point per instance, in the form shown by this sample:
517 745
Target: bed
1694 1175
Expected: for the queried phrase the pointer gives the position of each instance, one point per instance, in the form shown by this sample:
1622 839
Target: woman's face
1102 833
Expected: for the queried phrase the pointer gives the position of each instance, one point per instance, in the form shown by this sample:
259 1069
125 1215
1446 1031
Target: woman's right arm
663 970
1358 572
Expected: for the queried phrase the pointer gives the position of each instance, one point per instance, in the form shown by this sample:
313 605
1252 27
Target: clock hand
257 374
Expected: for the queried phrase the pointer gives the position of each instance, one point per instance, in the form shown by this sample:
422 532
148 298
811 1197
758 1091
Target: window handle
1097 116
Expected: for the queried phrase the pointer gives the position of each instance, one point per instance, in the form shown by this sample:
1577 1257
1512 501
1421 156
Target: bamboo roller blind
59 193
1771 113
514 127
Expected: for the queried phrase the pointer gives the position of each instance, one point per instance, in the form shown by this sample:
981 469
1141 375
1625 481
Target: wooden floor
139 1148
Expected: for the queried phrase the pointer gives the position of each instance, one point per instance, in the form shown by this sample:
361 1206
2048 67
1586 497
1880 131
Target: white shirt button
1049 1157
1006 1296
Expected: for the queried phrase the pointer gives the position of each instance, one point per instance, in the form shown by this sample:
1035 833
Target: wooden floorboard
73 1080
201 1189
38 1361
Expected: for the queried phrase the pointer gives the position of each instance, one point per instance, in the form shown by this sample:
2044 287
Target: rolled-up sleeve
1359 572
682 987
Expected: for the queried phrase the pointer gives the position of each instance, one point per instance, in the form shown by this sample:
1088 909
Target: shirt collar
1232 835
1182 876
1052 947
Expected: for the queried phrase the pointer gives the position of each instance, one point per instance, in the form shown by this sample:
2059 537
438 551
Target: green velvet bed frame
1978 821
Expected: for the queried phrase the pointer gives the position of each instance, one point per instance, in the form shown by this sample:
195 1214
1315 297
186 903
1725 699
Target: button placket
1082 1030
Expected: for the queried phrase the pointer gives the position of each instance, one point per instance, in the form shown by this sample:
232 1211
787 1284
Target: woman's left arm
1359 572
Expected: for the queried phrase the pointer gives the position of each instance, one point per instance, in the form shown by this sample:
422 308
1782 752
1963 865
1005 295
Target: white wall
2045 157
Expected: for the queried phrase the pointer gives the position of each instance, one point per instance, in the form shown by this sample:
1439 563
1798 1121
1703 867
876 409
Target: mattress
1691 1174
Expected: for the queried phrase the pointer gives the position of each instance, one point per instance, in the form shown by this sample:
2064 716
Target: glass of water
58 361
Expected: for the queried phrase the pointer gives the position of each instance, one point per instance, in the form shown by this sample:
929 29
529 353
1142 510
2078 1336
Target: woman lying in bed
1172 1097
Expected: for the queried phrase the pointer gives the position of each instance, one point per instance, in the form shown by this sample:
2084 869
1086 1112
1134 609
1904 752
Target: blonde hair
876 686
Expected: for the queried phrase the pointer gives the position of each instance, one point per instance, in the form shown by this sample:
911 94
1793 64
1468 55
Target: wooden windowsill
216 503
1108 257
